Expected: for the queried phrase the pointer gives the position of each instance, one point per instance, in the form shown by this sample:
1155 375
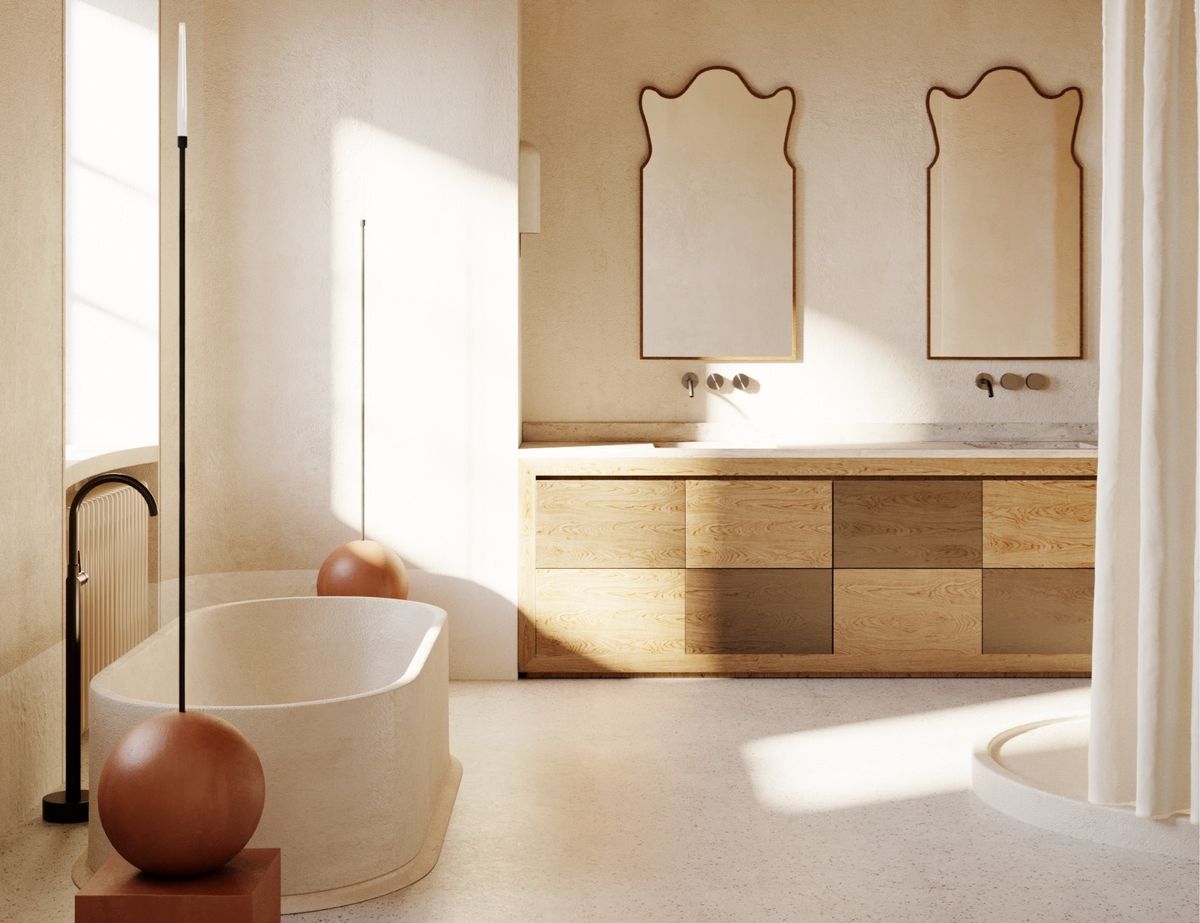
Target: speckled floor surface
698 800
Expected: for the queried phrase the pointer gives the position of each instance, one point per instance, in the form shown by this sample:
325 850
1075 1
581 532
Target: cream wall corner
31 448
31 725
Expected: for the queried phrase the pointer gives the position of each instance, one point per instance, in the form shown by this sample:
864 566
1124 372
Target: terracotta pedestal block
244 891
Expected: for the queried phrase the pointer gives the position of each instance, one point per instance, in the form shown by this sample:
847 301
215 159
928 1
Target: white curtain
1145 743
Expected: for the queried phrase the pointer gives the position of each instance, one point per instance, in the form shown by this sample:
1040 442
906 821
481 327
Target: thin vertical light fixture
362 378
183 143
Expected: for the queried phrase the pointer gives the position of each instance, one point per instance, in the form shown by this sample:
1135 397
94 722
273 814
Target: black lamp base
57 810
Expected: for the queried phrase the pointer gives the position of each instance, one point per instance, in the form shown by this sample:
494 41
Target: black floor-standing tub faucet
71 806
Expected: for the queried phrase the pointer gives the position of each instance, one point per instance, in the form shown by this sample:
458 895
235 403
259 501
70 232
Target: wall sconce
529 189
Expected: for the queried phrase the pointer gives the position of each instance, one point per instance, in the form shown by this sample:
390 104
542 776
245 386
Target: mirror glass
1005 221
718 220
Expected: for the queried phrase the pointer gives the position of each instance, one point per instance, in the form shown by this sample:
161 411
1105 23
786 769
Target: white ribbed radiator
114 604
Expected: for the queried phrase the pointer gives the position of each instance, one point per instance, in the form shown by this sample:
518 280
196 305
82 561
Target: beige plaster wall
305 118
861 142
31 441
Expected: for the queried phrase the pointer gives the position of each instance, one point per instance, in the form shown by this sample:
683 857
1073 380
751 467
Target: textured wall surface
306 118
861 141
31 447
31 725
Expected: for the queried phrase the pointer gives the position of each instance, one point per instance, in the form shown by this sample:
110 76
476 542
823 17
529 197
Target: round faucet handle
715 382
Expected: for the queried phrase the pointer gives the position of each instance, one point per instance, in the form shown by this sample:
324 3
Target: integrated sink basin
1030 444
878 448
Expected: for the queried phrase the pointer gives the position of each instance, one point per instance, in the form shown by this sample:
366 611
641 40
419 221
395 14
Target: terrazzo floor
707 799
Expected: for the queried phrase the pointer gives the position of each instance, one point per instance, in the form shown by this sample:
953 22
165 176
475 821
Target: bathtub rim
415 664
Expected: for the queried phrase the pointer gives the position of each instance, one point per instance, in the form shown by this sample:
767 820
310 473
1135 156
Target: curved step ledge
417 868
1037 773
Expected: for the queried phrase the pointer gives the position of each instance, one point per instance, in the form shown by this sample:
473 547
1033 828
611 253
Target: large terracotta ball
181 794
363 568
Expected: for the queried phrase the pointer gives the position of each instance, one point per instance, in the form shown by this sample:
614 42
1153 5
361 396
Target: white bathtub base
417 868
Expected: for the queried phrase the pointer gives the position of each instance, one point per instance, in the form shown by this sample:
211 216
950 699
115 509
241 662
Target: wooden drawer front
1045 611
752 523
901 523
604 614
610 522
758 611
886 611
1039 523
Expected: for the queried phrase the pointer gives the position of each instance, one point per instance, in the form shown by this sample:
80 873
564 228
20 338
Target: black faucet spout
71 805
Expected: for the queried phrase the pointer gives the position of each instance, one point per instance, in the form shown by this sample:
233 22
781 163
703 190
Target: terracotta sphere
363 568
181 794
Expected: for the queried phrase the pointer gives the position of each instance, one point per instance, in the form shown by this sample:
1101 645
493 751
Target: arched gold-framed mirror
718 218
1005 221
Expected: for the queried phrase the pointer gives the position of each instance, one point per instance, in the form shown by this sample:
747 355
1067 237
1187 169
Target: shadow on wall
465 601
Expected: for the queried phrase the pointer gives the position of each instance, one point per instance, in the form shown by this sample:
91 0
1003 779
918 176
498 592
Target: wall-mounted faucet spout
985 382
689 381
71 806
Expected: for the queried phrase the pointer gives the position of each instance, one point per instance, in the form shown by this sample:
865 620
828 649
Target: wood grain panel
902 523
610 523
892 611
1028 611
892 663
605 615
526 571
759 523
758 611
1039 523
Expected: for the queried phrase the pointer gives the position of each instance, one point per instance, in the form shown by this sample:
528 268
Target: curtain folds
1145 742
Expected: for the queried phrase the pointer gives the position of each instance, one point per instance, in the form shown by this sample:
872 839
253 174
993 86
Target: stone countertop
684 450
887 460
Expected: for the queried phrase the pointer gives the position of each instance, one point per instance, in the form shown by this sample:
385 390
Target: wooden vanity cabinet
610 522
807 566
751 522
909 523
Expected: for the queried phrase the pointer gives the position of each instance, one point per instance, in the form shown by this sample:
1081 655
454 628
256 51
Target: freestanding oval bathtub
346 701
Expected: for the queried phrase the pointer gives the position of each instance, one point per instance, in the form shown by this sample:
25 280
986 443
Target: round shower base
1037 773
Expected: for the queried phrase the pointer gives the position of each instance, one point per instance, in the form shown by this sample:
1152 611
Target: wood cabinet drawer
759 523
604 614
879 611
758 611
1039 523
1032 611
907 523
610 522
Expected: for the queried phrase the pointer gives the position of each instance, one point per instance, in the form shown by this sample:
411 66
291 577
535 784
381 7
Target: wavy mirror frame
795 325
1078 354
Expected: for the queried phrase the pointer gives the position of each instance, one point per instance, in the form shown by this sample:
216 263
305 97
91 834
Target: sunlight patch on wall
111 224
431 338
